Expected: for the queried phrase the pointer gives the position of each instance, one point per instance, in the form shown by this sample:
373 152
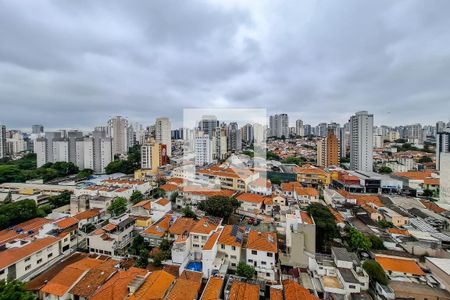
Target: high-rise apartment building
37 129
40 148
440 126
49 137
72 136
118 131
234 137
442 145
247 133
94 152
2 141
203 150
414 134
300 130
361 141
307 129
151 156
163 133
279 125
60 150
208 125
445 178
321 130
344 140
220 143
328 150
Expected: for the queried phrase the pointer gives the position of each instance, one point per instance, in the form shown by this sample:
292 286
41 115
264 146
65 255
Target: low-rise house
251 203
396 266
213 289
394 217
142 212
85 202
193 194
201 231
243 291
300 239
306 195
262 253
181 226
159 208
230 244
157 231
260 186
440 268
187 286
292 291
113 238
154 286
212 261
90 216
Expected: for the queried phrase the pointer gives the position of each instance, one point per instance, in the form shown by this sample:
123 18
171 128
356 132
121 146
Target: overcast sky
72 64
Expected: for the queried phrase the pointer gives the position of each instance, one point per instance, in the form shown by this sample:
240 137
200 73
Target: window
233 256
268 274
39 261
222 246
254 252
352 286
49 255
27 267
195 245
269 254
250 260
233 248
27 259
263 262
2 272
232 264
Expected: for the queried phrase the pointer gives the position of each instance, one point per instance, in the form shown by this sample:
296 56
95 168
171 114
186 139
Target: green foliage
142 261
245 270
375 271
385 170
158 258
377 243
249 153
272 156
157 193
427 193
385 224
356 240
294 160
127 166
60 200
189 213
137 245
84 174
425 159
14 290
173 197
136 197
326 229
17 212
118 206
165 245
219 206
276 181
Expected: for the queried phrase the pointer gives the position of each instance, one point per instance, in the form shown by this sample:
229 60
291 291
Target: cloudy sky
72 64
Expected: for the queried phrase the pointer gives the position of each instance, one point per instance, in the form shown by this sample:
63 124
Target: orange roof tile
337 216
13 255
145 204
418 175
398 231
213 289
66 222
155 286
252 198
211 241
290 186
432 206
261 182
30 225
228 238
160 227
307 191
262 241
109 227
276 294
184 289
243 291
88 214
162 201
168 187
198 190
191 275
204 226
306 218
181 225
294 291
117 286
399 264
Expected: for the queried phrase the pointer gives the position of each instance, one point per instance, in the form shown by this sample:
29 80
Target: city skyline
119 59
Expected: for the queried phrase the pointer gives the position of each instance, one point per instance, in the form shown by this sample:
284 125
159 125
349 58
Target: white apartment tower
163 133
203 150
442 145
118 131
444 196
299 130
40 148
60 150
279 125
2 141
361 141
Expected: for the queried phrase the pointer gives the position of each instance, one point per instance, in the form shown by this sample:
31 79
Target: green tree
245 270
118 206
84 174
142 261
14 290
189 213
219 206
173 197
375 271
425 159
65 168
136 197
137 245
17 212
60 200
326 229
377 243
356 240
427 193
385 170
294 160
158 258
385 224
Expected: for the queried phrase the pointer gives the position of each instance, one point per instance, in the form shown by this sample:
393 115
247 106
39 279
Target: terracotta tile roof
294 291
191 276
261 182
232 237
306 218
362 199
307 191
290 186
243 291
213 289
276 294
13 255
252 198
432 206
33 225
117 286
399 264
198 190
61 283
398 231
66 222
268 201
211 241
181 225
337 216
155 286
184 289
168 187
94 279
311 170
204 226
418 175
262 241
145 204
162 201
109 227
88 214
160 227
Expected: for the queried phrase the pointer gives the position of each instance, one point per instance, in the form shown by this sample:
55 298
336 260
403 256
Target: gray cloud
70 64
